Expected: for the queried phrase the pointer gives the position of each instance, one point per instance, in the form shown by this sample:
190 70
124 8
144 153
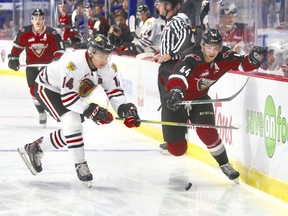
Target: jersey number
186 72
68 84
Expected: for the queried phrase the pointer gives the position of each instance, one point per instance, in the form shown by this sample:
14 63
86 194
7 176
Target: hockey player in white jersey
62 88
150 30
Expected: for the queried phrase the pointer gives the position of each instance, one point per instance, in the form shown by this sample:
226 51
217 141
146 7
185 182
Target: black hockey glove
173 96
13 62
130 114
257 55
98 114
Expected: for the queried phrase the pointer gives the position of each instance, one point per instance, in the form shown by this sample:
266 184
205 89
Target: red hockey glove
173 96
13 62
98 114
257 55
130 114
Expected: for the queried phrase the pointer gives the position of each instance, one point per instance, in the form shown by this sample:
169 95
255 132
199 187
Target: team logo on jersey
205 73
114 67
204 83
38 48
226 54
71 67
86 87
148 23
193 56
31 39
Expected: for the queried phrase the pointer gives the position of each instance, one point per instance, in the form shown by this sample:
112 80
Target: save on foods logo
270 125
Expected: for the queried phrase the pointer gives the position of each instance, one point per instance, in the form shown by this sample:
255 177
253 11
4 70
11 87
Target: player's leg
32 153
204 114
31 74
71 132
174 136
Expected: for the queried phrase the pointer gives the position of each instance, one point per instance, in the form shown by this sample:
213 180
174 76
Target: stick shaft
181 124
213 100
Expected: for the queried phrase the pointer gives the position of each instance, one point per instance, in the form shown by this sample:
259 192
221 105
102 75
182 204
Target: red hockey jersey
40 48
194 76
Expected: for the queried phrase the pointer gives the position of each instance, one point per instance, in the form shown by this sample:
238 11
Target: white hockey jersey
150 33
71 77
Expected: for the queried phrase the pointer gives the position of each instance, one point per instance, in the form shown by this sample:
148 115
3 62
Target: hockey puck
188 186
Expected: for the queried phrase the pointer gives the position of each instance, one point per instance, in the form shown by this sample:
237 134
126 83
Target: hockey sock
54 140
219 153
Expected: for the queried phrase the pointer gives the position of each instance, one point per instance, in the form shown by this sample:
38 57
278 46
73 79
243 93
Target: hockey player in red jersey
42 45
64 20
193 75
63 87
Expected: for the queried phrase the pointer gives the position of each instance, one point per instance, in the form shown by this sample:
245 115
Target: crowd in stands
78 22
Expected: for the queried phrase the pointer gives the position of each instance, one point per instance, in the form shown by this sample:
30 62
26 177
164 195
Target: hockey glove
13 62
257 55
173 96
98 114
130 114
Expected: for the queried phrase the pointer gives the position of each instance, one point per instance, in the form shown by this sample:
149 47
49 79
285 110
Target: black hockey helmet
37 12
212 36
226 9
142 8
99 43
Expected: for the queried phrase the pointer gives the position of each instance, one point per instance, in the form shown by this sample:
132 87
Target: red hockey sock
177 148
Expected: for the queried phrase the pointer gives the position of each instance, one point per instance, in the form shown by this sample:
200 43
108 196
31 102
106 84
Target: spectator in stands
120 33
150 31
78 17
100 14
237 36
95 25
276 61
192 9
64 20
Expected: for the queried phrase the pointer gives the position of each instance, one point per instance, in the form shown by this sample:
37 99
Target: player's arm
177 84
19 45
58 47
249 61
115 93
73 93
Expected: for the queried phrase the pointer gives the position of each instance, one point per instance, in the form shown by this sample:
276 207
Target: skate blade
24 156
87 184
236 181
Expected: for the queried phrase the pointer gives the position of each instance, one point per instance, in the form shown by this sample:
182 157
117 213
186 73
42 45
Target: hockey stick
34 65
213 100
132 27
181 124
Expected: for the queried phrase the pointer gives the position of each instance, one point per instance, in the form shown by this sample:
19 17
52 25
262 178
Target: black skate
84 174
31 155
230 172
163 149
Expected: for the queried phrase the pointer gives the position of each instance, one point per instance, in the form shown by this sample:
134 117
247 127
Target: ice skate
43 119
230 172
84 174
163 149
31 155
